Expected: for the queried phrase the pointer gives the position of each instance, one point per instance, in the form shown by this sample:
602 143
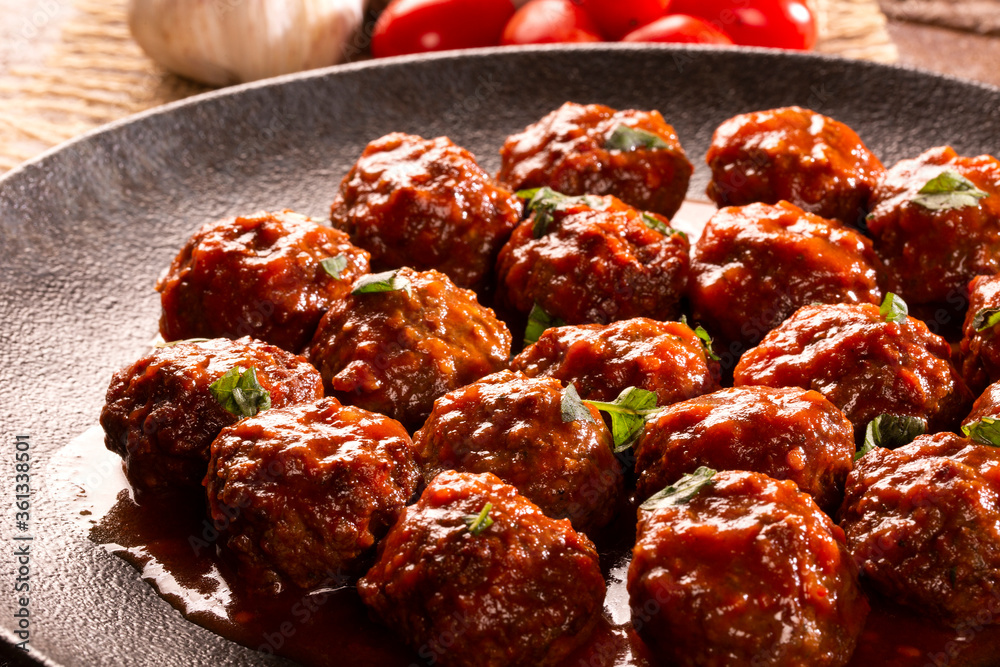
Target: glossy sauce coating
923 524
864 365
932 255
512 426
794 154
755 265
525 592
160 415
601 361
785 433
593 266
395 352
426 204
566 151
987 405
747 572
980 350
258 275
304 492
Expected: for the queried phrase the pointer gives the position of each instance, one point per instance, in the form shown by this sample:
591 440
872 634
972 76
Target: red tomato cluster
416 26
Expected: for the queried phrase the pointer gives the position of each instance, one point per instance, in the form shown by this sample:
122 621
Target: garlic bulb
221 42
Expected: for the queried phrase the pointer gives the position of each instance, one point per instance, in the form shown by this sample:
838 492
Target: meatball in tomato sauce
923 524
864 364
401 339
593 260
755 265
593 149
306 491
980 347
935 222
475 575
268 275
513 426
161 415
796 155
737 568
426 204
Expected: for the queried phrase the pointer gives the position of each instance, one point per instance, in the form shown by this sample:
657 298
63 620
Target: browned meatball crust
794 154
306 491
259 275
572 150
396 351
601 361
930 254
594 265
524 592
923 524
755 265
980 347
787 433
426 204
160 415
749 571
864 365
512 426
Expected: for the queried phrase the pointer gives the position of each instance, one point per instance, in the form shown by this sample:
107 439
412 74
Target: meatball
395 351
595 261
748 571
426 204
755 265
512 426
594 149
863 364
787 433
306 491
160 414
980 348
526 590
986 406
934 244
797 155
923 524
261 275
601 361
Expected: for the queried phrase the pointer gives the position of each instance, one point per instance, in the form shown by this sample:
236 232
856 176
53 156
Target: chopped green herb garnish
387 281
986 431
164 343
893 308
890 432
658 225
987 318
538 322
628 413
681 491
543 201
572 407
706 342
948 190
477 523
628 139
239 392
334 265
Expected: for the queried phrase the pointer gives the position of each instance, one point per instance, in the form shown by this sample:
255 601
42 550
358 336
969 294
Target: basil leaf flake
572 407
542 202
538 322
628 139
334 266
890 432
628 414
387 281
239 393
986 431
681 491
658 225
893 308
948 190
987 318
706 342
477 523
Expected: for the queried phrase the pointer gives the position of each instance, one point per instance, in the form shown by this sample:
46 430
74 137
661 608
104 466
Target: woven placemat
980 16
94 73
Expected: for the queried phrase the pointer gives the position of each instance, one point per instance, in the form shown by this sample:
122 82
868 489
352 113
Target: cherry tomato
550 21
416 26
679 28
780 24
617 18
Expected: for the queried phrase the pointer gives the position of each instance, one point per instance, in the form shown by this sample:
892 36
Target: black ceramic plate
86 229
